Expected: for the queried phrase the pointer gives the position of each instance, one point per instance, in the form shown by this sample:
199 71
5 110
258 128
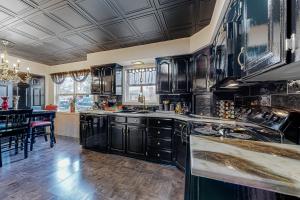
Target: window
71 89
140 82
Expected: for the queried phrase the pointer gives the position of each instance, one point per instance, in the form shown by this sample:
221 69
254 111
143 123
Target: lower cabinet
151 139
117 138
135 141
93 132
160 140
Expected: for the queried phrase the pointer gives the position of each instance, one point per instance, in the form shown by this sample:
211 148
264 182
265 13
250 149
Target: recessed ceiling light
138 63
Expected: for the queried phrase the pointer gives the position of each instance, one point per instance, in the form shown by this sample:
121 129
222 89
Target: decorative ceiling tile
98 36
120 30
98 9
70 16
15 37
146 24
48 23
59 44
78 40
179 16
4 16
30 30
131 6
15 6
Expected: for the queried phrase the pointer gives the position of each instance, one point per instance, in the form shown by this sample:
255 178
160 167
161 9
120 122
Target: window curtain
59 78
80 76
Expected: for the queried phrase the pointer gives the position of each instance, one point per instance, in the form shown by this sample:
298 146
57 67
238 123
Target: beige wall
36 68
149 51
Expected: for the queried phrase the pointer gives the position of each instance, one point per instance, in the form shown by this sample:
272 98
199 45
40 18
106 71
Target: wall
38 69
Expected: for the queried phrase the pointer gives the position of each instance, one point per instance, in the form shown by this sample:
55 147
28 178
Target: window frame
74 94
126 86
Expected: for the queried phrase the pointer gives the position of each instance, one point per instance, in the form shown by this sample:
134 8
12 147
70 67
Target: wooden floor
68 172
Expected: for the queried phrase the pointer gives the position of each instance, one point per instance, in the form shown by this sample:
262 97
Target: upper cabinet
264 39
107 79
203 73
173 75
163 75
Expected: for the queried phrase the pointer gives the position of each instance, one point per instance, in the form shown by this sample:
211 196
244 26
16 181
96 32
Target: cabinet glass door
96 87
264 22
200 75
164 76
107 80
180 75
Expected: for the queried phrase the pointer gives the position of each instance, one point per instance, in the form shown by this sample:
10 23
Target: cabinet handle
239 58
158 155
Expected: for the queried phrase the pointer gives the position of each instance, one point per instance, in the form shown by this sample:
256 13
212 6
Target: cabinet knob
180 125
158 132
158 155
158 122
158 143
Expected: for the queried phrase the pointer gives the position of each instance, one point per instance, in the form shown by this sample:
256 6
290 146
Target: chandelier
11 74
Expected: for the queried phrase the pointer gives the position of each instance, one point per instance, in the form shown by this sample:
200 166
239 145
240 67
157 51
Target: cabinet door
163 76
107 80
220 59
102 132
96 79
36 96
180 151
117 138
265 26
181 75
201 69
135 141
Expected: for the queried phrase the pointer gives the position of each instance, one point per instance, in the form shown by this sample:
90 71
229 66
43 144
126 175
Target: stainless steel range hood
286 72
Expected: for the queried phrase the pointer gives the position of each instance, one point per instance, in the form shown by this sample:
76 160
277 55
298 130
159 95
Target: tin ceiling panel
60 31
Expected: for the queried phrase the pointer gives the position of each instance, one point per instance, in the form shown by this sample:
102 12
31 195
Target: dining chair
14 123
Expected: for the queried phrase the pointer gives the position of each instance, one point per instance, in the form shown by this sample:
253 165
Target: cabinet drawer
159 155
135 120
118 119
160 132
159 143
159 122
178 125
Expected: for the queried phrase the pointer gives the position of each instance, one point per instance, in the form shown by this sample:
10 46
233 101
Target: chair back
51 107
14 121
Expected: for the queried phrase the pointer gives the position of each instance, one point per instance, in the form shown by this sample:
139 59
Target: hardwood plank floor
69 172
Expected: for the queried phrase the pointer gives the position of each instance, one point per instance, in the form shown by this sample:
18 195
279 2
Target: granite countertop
171 116
269 166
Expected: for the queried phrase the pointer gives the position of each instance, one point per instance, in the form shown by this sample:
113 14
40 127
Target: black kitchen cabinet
264 36
172 75
117 138
203 74
163 75
93 132
220 54
180 77
180 134
135 141
107 79
160 140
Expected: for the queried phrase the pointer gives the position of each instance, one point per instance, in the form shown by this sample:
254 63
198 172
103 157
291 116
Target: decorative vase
16 102
4 103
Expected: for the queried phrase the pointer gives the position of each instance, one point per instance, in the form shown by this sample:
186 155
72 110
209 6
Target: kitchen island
266 166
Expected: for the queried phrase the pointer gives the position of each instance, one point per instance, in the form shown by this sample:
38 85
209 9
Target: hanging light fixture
11 74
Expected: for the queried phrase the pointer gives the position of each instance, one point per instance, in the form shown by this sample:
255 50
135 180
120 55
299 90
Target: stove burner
240 136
